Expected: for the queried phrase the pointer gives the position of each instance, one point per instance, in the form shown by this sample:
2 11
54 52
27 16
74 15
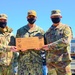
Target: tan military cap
32 12
3 16
55 12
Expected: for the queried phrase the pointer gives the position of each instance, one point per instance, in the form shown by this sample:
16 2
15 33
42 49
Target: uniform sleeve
42 31
63 42
4 48
18 34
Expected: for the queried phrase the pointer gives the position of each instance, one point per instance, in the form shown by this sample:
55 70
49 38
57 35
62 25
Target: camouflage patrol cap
32 12
3 16
55 12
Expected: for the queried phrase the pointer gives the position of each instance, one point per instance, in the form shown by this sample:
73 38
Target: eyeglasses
3 20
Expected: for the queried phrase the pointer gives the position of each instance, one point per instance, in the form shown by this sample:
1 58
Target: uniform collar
56 27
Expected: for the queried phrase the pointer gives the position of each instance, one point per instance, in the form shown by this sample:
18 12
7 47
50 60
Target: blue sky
17 12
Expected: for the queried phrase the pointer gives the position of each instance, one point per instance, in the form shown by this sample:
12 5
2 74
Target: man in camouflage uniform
58 39
30 61
6 44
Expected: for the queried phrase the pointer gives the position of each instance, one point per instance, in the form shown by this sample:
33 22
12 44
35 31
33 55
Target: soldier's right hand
13 48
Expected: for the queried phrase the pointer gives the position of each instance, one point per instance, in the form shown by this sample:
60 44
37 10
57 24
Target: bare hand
13 48
45 47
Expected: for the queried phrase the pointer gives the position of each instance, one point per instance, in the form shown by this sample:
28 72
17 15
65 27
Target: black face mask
31 20
55 20
3 24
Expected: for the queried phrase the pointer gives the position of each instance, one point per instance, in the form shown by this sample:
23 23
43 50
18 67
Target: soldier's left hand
45 47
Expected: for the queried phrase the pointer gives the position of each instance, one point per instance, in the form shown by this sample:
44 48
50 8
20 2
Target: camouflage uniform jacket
59 39
6 40
29 56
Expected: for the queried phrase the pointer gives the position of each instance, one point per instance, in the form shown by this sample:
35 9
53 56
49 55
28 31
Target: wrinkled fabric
59 38
30 61
6 70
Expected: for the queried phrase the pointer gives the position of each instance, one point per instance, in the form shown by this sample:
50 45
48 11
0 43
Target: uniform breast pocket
59 33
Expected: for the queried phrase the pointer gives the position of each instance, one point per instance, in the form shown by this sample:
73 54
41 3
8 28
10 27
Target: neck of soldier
56 24
31 25
3 30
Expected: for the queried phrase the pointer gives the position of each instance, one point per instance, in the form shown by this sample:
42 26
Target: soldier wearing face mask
7 42
58 38
30 61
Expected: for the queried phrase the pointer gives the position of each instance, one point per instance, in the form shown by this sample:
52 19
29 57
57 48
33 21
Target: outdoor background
17 12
